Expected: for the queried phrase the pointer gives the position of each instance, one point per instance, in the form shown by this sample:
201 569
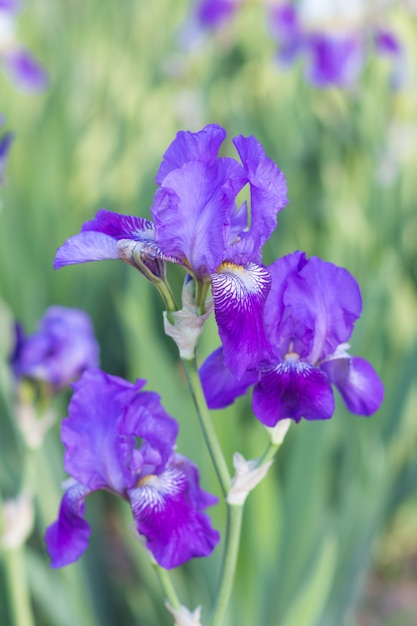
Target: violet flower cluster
106 416
309 317
336 51
335 48
198 225
18 63
283 328
63 346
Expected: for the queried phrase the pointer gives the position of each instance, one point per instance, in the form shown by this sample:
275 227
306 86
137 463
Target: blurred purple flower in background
5 143
197 224
106 416
309 315
22 68
59 351
335 47
213 14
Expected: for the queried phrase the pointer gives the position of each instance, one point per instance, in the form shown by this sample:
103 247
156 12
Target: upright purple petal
96 453
220 387
24 70
145 417
281 270
292 389
327 299
268 190
187 146
67 538
192 210
166 514
239 295
358 383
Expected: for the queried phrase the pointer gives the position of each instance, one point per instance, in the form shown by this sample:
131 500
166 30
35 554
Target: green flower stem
20 608
234 524
269 453
167 587
213 444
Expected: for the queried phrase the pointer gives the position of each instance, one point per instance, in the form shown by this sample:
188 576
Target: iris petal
268 190
292 389
220 387
67 538
202 146
357 382
97 454
175 529
84 247
192 211
239 295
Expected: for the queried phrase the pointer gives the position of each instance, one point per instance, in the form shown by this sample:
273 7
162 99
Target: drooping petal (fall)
220 387
67 538
357 382
167 515
239 295
292 389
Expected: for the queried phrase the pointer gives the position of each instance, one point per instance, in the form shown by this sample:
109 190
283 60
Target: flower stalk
204 417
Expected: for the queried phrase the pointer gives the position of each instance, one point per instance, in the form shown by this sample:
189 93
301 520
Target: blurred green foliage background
341 499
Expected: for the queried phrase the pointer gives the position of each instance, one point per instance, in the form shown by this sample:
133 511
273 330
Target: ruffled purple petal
326 299
358 383
334 59
220 387
120 226
187 146
239 295
268 191
97 455
166 513
145 417
84 247
67 538
292 389
24 70
192 210
281 270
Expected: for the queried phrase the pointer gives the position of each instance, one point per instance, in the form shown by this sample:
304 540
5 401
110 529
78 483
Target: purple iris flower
106 417
334 56
23 69
197 224
5 143
59 351
309 315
